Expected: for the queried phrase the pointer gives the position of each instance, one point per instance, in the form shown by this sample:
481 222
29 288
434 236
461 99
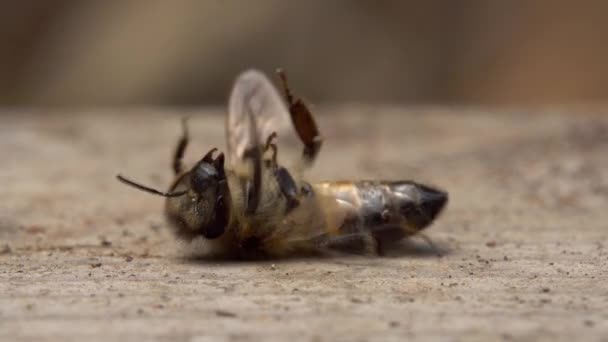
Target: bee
254 202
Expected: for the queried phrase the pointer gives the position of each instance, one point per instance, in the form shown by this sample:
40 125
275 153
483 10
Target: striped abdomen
390 210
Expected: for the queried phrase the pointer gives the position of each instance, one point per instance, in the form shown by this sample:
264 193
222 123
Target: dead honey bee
257 206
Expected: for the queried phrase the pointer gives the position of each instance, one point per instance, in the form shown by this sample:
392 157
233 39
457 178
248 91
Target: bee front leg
270 145
182 143
221 212
303 121
288 187
218 224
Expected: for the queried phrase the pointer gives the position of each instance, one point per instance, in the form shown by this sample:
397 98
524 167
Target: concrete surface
524 238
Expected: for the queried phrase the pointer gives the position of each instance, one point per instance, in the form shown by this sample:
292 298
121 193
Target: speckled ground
524 238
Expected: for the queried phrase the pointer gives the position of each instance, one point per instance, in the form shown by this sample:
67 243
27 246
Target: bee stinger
259 204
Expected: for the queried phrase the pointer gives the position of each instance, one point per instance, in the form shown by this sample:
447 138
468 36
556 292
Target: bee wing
353 241
316 224
255 101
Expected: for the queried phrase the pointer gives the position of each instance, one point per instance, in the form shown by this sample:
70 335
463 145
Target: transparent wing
315 225
255 101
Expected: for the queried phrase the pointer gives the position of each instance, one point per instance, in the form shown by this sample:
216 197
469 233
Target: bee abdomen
387 209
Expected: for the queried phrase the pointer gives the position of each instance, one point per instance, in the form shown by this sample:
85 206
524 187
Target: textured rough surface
524 237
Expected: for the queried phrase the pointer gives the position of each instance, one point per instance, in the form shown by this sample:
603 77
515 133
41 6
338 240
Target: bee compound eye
203 177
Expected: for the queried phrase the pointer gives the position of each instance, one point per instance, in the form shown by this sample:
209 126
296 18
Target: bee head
202 211
196 202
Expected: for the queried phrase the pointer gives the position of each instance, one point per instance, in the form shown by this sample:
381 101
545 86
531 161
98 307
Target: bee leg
253 186
218 225
431 244
218 163
270 145
303 121
178 165
288 187
386 235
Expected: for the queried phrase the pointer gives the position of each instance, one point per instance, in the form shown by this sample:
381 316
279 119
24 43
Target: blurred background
188 52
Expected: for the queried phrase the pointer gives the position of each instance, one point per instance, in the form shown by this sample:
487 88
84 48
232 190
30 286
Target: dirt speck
224 313
96 265
357 300
156 227
6 249
35 229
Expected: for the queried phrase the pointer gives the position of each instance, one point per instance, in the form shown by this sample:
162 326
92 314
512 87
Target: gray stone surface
524 237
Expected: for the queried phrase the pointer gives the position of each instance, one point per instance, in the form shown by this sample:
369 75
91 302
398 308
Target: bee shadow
415 248
408 248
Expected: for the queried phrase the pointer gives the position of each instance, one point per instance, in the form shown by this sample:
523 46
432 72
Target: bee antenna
148 189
